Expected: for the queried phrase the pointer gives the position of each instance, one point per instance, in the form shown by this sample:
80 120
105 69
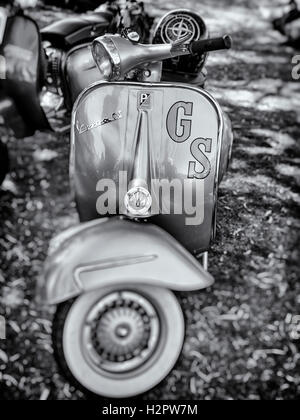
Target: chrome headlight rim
113 54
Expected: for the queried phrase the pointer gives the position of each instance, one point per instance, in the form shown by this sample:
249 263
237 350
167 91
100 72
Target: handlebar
214 44
132 55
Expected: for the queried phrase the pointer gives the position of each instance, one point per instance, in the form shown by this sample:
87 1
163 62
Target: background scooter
4 161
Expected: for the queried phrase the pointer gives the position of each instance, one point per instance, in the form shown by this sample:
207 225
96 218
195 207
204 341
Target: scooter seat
74 30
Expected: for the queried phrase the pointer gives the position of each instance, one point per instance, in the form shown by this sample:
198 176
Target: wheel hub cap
122 332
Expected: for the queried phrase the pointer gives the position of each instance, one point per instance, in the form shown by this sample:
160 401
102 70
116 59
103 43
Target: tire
4 162
90 358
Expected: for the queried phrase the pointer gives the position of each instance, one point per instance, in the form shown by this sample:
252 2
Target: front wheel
119 342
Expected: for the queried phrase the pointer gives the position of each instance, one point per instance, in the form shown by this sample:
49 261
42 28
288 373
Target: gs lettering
179 127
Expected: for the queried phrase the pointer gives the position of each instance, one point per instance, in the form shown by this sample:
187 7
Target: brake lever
181 46
182 40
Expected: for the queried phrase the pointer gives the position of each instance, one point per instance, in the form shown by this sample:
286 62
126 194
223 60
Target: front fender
115 251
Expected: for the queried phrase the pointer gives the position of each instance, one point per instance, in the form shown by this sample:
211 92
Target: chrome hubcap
121 332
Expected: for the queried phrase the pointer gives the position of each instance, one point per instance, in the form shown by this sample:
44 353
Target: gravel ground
239 341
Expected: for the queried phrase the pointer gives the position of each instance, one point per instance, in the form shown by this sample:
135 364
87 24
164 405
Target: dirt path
238 339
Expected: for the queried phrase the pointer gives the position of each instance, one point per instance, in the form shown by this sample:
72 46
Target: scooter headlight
107 58
138 201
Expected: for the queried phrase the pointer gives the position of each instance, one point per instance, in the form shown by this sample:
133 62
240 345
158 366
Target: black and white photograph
149 203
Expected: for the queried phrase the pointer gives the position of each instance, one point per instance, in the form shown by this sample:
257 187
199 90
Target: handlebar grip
214 44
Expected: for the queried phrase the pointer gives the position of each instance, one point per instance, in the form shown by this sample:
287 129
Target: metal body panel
227 145
101 150
116 252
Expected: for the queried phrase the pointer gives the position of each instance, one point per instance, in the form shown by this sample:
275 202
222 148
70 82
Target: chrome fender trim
115 251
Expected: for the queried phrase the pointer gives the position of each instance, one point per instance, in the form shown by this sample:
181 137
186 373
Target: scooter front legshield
115 251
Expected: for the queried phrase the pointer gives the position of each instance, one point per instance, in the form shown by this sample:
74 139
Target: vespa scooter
146 161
